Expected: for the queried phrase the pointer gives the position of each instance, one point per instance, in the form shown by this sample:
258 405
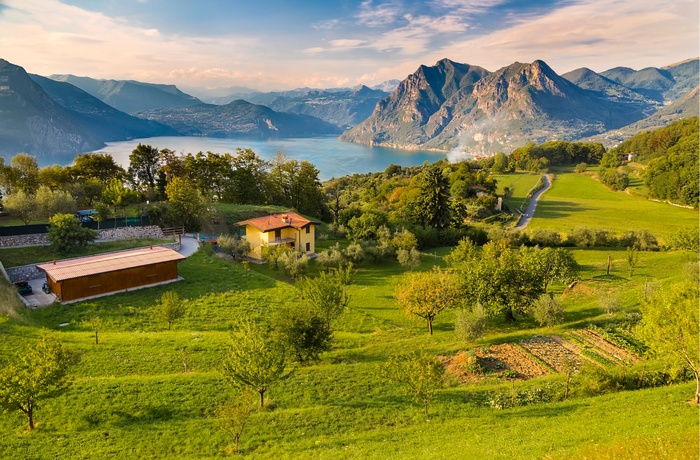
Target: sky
285 44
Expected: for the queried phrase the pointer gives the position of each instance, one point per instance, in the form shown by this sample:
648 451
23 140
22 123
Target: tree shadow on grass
557 209
543 410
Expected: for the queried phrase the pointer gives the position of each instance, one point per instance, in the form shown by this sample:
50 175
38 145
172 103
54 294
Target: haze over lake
332 157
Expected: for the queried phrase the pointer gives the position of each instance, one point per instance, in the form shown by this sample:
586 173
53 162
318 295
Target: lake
332 157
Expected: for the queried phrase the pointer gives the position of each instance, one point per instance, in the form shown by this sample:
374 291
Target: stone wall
111 234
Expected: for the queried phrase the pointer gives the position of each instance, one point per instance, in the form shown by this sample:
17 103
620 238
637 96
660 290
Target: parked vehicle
24 288
46 288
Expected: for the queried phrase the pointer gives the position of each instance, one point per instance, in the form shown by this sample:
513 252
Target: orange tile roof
278 221
103 263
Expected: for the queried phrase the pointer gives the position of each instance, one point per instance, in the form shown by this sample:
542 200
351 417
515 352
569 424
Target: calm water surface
332 157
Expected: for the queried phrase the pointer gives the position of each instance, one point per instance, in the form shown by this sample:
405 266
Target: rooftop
103 263
278 221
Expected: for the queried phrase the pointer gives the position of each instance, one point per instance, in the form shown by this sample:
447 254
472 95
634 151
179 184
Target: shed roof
278 221
104 263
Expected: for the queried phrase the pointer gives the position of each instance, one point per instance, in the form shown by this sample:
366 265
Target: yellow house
287 228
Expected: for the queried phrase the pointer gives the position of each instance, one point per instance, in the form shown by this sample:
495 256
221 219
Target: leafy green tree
255 360
294 263
52 202
233 246
40 372
249 178
21 205
670 326
420 374
304 332
119 196
547 310
144 162
66 233
327 293
55 177
171 308
553 264
232 415
98 167
187 205
23 174
427 294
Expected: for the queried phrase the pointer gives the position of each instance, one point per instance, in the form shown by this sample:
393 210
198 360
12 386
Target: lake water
332 157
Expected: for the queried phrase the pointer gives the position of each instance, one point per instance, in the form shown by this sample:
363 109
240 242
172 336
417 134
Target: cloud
378 16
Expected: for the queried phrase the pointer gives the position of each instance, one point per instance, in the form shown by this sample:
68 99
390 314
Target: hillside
32 122
105 121
488 112
131 96
238 118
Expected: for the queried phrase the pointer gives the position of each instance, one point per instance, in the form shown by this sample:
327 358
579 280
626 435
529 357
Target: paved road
189 245
530 211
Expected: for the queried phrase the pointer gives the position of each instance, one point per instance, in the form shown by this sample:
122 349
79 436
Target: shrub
409 258
66 233
581 167
547 311
470 325
294 263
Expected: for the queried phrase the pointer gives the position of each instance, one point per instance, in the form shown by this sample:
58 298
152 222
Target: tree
420 373
427 294
24 174
304 332
21 205
255 360
38 373
632 259
232 416
670 326
327 293
187 205
97 167
95 324
249 178
171 308
553 264
144 162
66 233
432 206
52 202
117 195
233 246
547 311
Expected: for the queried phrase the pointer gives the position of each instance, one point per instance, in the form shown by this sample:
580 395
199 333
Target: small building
85 215
73 279
287 228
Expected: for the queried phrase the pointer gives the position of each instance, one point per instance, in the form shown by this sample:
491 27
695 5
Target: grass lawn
577 200
132 399
520 182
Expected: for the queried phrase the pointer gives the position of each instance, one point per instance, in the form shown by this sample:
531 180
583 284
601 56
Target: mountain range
443 107
459 106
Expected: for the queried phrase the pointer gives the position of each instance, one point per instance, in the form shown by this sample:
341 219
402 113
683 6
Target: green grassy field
520 183
132 399
577 200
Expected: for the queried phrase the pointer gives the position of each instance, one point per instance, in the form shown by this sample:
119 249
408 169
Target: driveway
188 245
38 298
532 205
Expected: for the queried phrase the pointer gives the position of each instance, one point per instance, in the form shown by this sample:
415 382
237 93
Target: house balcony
278 241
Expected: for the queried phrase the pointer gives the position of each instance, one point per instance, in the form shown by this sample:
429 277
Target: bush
66 233
470 325
581 167
233 246
304 333
547 311
294 263
409 258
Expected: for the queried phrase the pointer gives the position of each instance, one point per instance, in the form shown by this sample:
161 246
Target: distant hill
32 122
238 119
131 96
453 105
610 89
108 123
660 84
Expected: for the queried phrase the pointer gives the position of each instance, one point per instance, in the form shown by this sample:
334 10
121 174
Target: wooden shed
95 275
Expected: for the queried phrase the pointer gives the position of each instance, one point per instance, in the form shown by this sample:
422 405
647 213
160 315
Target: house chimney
54 262
150 247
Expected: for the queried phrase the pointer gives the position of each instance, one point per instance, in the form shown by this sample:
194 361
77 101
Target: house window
308 247
278 235
308 229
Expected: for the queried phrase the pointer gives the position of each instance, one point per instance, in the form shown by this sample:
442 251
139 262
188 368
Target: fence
34 229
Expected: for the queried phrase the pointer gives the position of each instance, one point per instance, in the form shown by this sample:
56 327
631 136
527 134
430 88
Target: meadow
578 200
133 398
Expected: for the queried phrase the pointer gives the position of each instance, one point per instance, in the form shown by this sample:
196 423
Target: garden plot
493 359
552 352
605 348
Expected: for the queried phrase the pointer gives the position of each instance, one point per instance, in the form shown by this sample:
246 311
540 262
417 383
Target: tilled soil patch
507 356
551 352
